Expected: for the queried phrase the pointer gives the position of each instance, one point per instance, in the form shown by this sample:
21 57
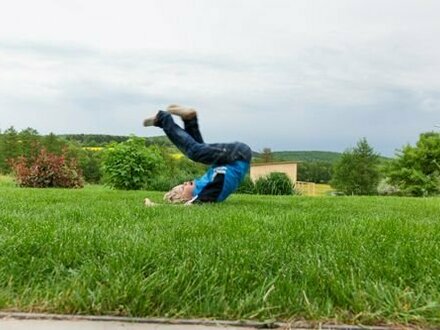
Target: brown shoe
184 112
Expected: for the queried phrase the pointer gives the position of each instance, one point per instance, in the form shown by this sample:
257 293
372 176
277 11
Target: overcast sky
284 74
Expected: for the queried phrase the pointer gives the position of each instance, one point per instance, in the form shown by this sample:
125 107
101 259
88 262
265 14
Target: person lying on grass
229 162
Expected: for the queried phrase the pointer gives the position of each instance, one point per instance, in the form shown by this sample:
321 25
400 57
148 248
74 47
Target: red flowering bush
47 170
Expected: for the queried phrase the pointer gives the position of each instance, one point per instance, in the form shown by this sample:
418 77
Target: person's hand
148 203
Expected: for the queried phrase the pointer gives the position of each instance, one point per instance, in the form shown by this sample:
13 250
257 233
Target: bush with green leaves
416 170
177 170
129 165
90 162
275 183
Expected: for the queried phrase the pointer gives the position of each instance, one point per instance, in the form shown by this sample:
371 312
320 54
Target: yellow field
322 189
93 148
313 189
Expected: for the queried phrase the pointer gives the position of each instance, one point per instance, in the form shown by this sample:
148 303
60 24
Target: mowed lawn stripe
96 251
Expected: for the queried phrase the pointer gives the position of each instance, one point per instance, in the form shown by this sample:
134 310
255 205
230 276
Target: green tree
267 155
129 165
319 172
90 161
54 144
357 172
9 148
29 141
416 170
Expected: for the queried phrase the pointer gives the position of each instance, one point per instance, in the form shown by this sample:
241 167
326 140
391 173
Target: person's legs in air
235 151
189 117
181 139
208 154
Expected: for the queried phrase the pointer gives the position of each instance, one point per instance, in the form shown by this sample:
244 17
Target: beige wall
259 170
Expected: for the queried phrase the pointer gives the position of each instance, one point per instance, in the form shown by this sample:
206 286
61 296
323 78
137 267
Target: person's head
181 193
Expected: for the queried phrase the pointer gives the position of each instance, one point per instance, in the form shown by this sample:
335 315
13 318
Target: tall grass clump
247 186
275 183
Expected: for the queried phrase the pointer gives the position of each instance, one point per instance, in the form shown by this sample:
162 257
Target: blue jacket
219 182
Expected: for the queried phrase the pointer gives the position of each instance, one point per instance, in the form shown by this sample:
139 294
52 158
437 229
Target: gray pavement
17 324
35 321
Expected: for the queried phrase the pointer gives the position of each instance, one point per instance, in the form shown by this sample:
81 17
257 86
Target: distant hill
99 140
300 156
93 140
306 156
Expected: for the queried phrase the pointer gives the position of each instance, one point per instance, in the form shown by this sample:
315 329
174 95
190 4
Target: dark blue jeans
190 142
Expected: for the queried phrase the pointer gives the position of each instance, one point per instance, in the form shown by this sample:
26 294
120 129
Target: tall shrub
47 170
129 165
275 183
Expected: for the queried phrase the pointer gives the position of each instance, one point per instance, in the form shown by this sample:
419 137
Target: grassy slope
312 156
101 252
307 156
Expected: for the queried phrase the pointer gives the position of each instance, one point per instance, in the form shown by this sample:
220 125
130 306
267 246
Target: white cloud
289 75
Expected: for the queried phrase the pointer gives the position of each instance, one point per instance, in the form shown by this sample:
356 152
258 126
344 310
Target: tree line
415 170
28 143
24 151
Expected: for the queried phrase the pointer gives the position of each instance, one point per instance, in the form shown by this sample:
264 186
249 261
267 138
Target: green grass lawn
363 260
